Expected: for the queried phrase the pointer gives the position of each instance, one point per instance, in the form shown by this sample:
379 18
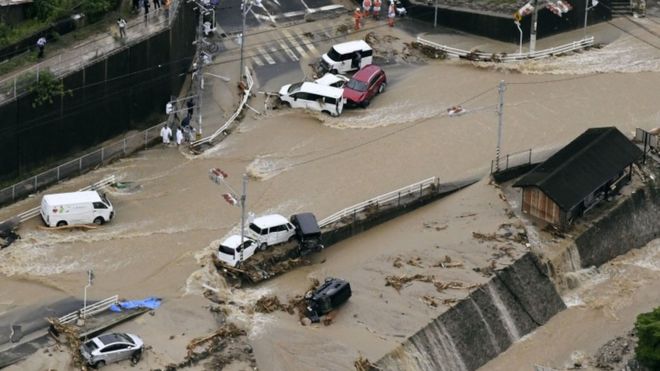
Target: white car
229 251
271 230
335 81
348 56
110 348
312 96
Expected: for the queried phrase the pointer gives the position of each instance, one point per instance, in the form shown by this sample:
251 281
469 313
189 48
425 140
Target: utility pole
243 198
218 176
90 280
532 37
240 69
435 16
500 108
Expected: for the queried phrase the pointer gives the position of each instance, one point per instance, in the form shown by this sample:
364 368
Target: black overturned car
329 296
308 232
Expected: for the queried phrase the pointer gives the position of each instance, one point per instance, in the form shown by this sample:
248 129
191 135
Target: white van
348 56
271 230
314 97
76 208
232 253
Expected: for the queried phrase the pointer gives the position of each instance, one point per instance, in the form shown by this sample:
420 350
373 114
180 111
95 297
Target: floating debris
448 263
363 364
397 282
430 301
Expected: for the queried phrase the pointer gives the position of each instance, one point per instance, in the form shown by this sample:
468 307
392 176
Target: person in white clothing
166 133
179 136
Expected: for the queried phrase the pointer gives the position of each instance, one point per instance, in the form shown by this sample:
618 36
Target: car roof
351 46
114 338
329 79
367 72
307 223
270 220
72 198
234 240
328 91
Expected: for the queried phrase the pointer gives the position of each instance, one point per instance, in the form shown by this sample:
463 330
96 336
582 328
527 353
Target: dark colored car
364 85
308 232
329 296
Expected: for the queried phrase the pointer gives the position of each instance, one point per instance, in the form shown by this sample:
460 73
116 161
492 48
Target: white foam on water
491 334
505 315
265 167
401 112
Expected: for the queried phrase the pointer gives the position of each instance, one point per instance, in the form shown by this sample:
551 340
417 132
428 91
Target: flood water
162 236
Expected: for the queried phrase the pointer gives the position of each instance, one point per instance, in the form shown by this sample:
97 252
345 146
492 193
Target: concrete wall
631 224
513 303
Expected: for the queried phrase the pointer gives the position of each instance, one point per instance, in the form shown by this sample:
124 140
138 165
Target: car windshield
332 54
356 85
294 87
90 346
126 338
254 228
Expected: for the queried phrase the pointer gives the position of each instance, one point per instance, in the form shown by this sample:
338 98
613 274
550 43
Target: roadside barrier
479 56
90 310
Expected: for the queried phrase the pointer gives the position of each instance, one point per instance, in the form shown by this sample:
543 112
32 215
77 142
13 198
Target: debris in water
430 301
448 263
415 262
71 340
363 364
397 282
398 262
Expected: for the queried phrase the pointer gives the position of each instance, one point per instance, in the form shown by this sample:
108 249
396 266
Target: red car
364 85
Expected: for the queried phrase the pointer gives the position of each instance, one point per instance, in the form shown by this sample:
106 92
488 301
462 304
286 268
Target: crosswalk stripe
277 54
266 56
295 44
308 44
288 51
257 60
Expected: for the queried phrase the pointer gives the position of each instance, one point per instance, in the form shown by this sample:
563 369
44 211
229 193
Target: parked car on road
229 251
329 79
329 296
348 56
312 96
111 348
76 208
271 230
364 85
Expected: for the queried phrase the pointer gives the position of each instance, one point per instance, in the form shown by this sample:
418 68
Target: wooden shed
577 177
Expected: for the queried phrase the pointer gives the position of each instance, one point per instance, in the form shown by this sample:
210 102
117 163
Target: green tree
648 332
47 87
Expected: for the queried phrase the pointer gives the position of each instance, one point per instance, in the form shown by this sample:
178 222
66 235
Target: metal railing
90 310
507 57
526 157
241 106
80 165
29 214
413 189
76 58
643 136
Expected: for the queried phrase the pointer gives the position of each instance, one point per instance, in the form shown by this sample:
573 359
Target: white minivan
312 96
348 56
271 230
232 253
73 208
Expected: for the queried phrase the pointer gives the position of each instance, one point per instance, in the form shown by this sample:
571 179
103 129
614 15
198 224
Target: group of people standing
184 132
373 7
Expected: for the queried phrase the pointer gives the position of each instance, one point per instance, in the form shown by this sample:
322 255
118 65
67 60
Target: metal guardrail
90 310
69 60
653 141
29 214
507 57
526 157
416 188
241 106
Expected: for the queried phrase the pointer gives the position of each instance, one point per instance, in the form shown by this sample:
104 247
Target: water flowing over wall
518 299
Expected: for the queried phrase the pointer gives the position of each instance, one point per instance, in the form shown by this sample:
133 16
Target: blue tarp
150 302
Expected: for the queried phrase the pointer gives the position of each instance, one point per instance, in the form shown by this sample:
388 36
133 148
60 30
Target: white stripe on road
257 60
277 54
266 56
295 44
308 44
288 51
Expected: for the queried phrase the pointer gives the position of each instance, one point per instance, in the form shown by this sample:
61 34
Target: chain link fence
82 164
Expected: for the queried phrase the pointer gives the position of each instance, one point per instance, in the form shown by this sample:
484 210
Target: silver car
110 348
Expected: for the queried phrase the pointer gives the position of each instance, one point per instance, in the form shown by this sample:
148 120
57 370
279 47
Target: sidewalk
84 52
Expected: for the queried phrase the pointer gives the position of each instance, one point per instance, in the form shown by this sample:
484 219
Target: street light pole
587 8
532 37
240 69
243 198
521 37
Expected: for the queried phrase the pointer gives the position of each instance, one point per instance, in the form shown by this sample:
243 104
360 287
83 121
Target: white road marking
266 56
288 51
308 43
257 60
277 54
295 44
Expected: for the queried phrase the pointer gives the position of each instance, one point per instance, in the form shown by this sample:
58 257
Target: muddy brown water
307 162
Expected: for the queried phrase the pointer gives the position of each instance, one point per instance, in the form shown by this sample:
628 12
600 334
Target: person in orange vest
366 8
357 16
377 6
391 13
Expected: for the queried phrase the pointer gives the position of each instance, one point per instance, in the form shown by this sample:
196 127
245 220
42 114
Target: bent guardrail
476 55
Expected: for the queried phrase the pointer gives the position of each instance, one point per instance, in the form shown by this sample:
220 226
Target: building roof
582 166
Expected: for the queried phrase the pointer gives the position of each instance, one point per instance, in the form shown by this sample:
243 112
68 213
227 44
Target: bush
648 332
46 88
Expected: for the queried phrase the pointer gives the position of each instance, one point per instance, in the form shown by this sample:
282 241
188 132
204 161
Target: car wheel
333 71
263 246
382 87
366 103
285 104
61 223
99 221
99 364
136 357
290 239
